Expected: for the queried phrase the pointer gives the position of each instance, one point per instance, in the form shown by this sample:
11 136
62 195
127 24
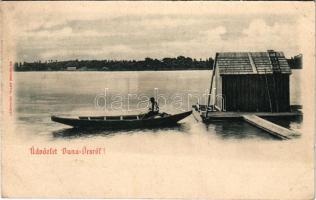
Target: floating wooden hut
250 86
251 82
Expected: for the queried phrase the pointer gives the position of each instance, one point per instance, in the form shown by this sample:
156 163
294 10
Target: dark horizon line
131 59
198 59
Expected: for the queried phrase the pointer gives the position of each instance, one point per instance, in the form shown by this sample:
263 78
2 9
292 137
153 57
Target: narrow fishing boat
123 122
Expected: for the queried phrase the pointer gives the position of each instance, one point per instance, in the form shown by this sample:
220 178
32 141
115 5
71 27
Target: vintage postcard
166 100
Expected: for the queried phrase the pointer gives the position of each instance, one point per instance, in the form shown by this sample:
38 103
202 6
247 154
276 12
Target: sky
135 30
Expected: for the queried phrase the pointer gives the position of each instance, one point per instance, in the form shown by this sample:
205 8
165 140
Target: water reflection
239 129
292 122
236 130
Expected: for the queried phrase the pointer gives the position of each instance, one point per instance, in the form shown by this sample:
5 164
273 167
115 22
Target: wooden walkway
269 127
227 115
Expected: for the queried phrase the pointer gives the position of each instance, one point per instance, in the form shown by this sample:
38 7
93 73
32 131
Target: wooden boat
123 122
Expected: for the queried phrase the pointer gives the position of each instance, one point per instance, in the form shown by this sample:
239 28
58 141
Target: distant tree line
296 62
148 64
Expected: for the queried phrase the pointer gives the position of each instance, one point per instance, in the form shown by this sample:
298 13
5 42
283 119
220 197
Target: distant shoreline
179 63
116 70
148 64
127 70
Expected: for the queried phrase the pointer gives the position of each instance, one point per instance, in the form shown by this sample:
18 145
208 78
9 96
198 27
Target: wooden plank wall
250 93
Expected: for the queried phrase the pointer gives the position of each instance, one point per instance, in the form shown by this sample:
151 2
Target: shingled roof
252 63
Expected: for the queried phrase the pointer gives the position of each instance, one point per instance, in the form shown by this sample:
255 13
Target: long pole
267 87
275 64
211 86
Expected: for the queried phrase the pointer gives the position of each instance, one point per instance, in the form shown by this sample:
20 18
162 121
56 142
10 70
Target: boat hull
122 124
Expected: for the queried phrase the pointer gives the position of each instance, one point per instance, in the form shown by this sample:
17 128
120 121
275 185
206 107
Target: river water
41 94
219 160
